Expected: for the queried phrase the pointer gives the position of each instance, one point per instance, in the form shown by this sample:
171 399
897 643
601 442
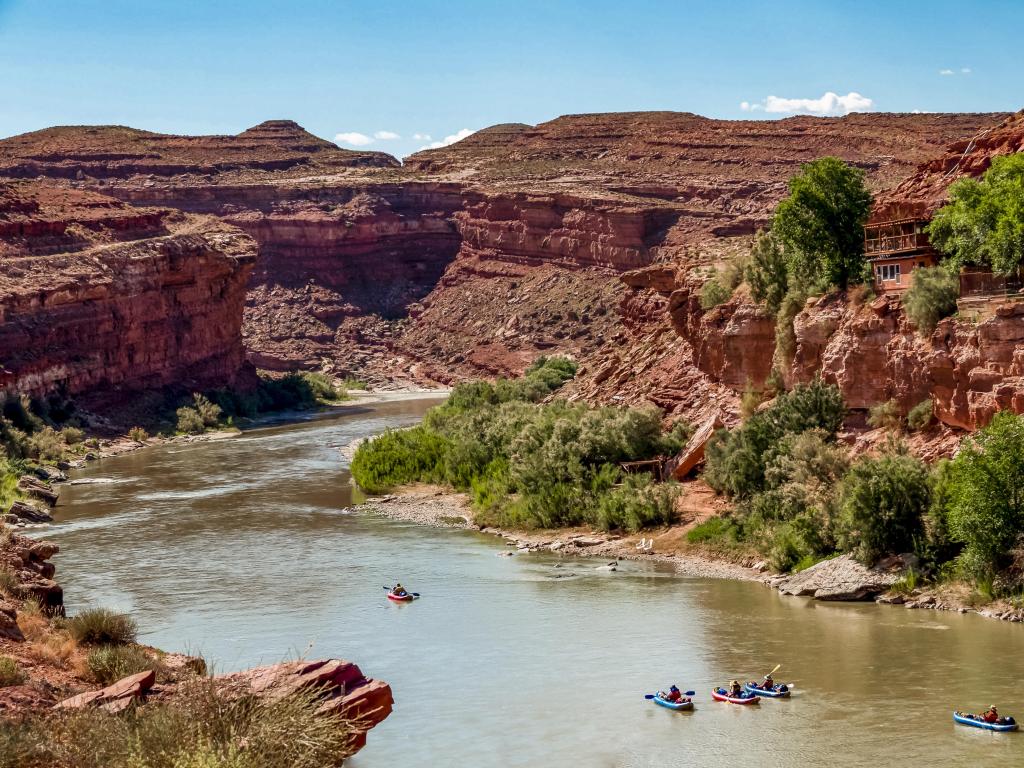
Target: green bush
920 415
736 461
398 457
110 663
713 293
528 463
11 672
766 272
189 421
982 486
932 296
714 530
101 626
138 434
72 435
883 502
885 415
46 445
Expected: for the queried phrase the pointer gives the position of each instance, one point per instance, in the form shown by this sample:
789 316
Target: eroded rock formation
99 295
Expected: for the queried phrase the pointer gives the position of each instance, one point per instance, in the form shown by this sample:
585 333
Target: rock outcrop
340 686
28 562
96 295
476 258
841 578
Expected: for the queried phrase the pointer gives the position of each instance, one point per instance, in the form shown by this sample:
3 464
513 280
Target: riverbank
839 579
430 505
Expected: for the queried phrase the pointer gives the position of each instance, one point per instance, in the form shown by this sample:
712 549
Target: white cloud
950 72
353 138
828 104
449 140
421 136
386 135
946 72
965 71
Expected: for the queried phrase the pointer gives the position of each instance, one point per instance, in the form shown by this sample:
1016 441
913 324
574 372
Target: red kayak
408 597
720 694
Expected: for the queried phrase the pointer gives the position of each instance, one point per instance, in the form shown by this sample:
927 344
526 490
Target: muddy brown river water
244 550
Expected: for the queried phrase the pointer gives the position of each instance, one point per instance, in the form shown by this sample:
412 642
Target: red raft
720 694
408 597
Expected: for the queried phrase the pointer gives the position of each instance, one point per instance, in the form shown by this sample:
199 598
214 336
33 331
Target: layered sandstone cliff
99 296
476 258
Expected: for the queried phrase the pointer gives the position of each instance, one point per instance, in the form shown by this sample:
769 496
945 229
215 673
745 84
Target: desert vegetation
198 728
798 497
528 463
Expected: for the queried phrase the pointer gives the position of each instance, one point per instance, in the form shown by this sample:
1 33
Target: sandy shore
440 508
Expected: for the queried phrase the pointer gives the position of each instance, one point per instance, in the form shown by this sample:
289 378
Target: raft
719 694
676 705
779 691
965 719
408 597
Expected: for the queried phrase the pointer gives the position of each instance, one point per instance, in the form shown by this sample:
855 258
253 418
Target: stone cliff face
96 295
476 258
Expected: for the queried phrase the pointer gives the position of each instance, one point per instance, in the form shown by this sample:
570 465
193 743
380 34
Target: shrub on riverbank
197 728
101 626
529 463
109 663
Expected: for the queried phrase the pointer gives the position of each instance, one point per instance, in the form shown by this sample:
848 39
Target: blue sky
436 69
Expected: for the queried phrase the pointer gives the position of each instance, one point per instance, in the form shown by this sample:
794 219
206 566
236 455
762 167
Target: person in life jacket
991 715
673 695
735 689
769 683
399 591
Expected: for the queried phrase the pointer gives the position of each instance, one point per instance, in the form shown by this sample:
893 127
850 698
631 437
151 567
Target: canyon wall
476 258
98 296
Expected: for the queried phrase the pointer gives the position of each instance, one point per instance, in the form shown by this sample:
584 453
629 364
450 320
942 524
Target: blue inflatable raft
676 705
780 691
973 720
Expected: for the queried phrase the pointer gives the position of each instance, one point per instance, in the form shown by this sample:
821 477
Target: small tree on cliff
984 221
766 272
821 223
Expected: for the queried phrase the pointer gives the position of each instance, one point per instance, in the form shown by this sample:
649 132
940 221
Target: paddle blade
649 695
415 594
774 670
689 693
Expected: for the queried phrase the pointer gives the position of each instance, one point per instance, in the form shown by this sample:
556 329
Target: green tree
737 460
983 224
985 493
766 272
932 296
821 223
883 501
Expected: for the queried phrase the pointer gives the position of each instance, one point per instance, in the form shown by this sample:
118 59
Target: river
243 550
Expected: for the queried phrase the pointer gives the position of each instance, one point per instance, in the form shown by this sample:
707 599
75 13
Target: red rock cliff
96 295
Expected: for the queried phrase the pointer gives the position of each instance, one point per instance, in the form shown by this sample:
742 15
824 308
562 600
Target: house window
888 272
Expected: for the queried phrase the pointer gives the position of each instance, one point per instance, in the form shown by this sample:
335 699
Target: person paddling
991 715
735 689
398 590
674 695
769 682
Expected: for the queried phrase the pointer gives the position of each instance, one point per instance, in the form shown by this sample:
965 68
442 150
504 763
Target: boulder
28 513
116 697
341 686
37 489
841 578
